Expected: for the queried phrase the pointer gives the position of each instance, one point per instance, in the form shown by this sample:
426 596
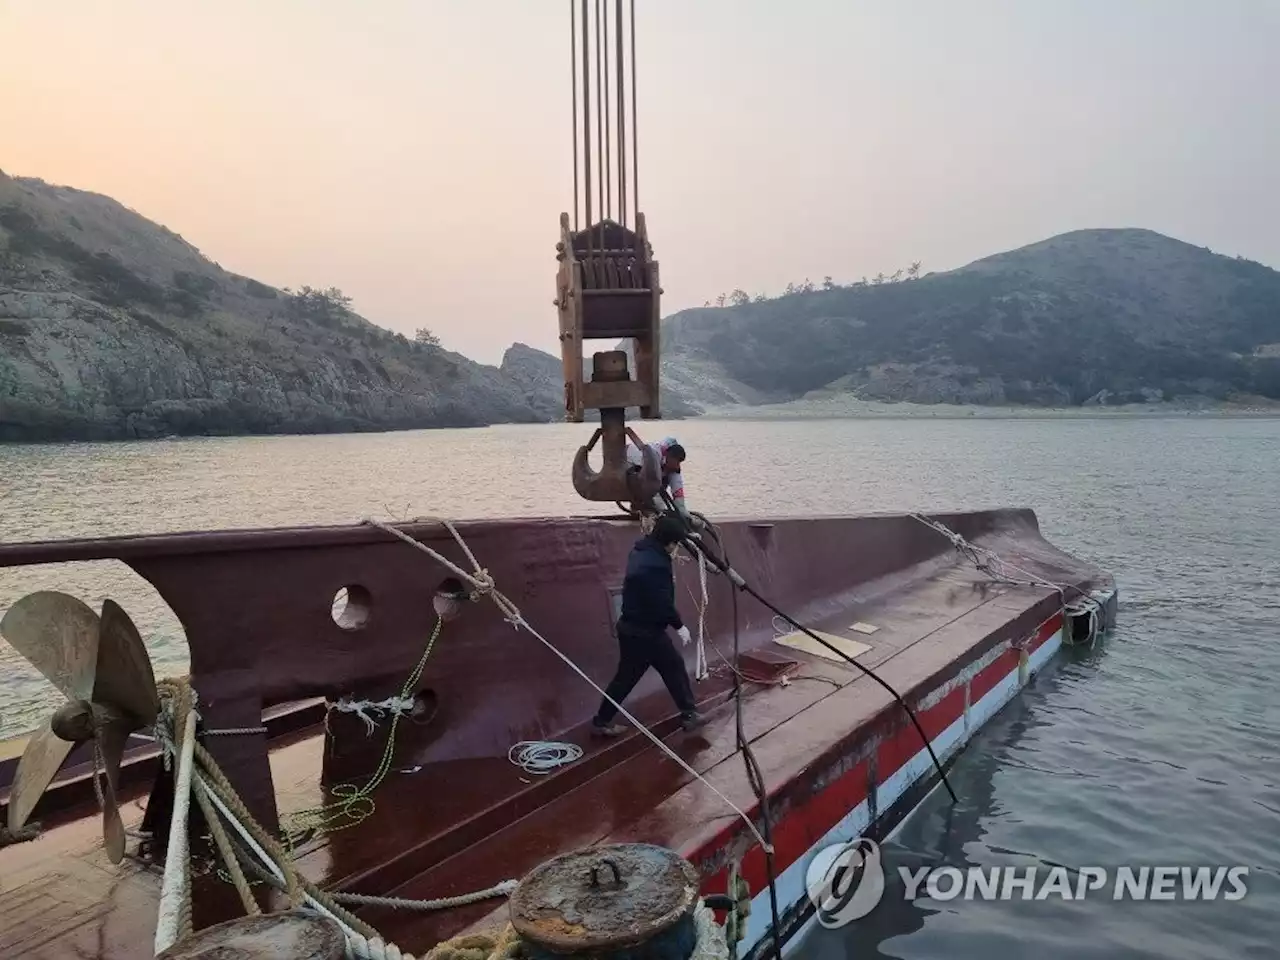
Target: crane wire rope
635 136
602 147
603 9
622 114
604 173
573 126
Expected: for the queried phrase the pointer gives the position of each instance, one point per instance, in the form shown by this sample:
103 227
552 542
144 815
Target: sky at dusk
416 153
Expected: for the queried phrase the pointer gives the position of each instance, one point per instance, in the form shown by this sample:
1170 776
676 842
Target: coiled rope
540 757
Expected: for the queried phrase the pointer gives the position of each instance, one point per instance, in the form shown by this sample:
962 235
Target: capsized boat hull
454 815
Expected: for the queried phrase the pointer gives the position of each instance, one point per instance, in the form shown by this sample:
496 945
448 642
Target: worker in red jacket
671 457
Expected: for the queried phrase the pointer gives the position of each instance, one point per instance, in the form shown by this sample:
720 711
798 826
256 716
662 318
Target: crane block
607 289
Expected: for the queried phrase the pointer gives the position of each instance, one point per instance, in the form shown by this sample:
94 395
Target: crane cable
600 47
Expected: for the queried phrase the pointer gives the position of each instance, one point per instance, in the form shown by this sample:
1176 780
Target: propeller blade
58 635
112 826
125 679
43 757
112 737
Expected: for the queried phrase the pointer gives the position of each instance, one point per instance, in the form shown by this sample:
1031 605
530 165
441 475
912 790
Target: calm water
1159 747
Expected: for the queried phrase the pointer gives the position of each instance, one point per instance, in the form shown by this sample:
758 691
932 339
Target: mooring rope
503 889
995 566
174 920
265 856
198 772
483 585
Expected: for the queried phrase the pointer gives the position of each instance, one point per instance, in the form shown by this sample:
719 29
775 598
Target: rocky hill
112 326
1095 316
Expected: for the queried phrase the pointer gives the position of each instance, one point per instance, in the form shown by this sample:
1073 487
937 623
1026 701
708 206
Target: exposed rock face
113 327
1106 316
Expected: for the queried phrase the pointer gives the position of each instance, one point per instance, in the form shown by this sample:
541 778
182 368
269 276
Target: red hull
256 608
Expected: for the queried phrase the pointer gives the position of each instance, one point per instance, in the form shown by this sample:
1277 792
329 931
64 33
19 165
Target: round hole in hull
425 706
352 606
448 598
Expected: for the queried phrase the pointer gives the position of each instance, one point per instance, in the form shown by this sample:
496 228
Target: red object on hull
256 606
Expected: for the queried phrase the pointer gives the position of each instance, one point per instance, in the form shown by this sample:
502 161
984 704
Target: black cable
722 564
754 775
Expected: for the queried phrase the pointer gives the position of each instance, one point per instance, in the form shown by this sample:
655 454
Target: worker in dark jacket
648 610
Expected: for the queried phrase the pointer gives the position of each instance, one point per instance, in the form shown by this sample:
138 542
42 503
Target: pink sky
416 154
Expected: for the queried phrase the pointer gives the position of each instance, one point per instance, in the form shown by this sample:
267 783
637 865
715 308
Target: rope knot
483 584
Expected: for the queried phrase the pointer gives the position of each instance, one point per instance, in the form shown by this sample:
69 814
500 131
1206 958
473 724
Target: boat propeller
100 664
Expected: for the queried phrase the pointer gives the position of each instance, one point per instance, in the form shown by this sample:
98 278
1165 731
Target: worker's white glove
683 633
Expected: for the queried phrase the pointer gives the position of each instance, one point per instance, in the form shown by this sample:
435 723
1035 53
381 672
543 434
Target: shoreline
848 408
826 409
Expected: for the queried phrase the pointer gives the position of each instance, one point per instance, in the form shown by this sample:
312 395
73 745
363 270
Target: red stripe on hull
804 825
992 674
1047 630
893 754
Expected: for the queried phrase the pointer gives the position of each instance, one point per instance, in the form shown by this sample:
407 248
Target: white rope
394 705
190 777
481 583
700 668
357 944
503 889
539 757
484 585
173 889
992 564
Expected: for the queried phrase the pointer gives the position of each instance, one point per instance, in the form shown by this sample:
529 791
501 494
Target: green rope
353 804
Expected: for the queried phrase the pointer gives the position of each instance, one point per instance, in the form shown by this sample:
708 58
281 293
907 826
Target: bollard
271 936
631 901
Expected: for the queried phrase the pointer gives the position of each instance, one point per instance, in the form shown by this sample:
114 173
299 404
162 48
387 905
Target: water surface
1159 747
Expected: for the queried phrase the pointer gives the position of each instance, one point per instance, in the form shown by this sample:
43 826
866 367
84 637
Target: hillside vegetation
112 326
1095 316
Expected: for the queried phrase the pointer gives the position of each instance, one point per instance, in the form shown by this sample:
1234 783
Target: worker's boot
607 729
692 721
